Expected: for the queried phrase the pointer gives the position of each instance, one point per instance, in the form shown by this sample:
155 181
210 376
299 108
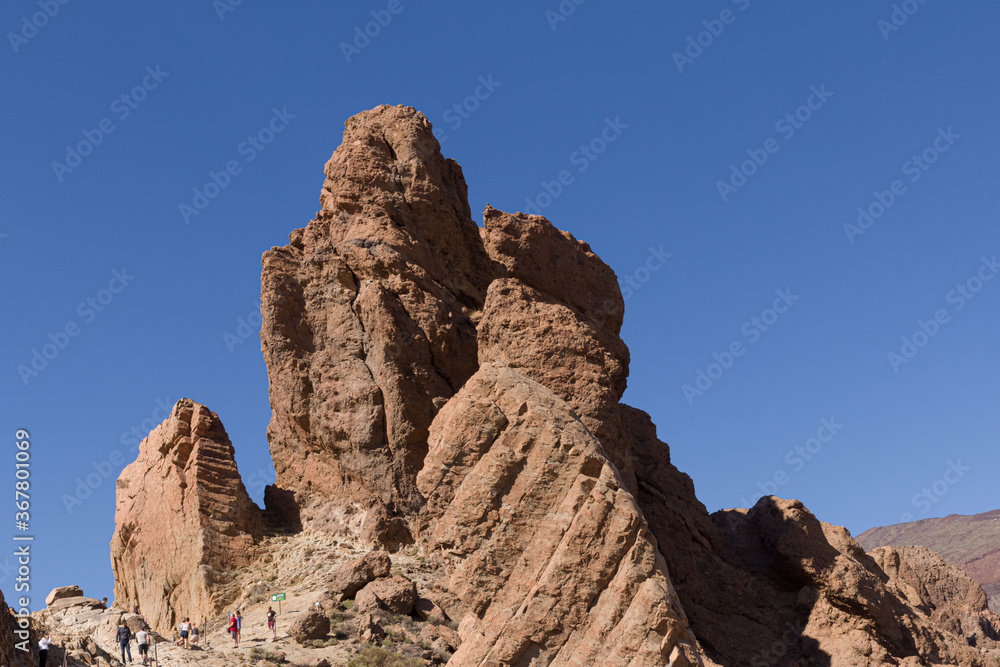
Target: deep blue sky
553 90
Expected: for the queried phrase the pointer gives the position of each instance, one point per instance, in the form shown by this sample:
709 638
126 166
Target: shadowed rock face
9 654
183 521
970 542
955 602
773 584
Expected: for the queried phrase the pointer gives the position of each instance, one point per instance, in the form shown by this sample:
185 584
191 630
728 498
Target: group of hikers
187 636
124 638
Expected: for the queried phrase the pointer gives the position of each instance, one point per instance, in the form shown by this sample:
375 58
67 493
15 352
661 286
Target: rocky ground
304 567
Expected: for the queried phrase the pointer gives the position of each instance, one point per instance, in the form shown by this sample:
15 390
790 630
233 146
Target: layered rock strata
184 522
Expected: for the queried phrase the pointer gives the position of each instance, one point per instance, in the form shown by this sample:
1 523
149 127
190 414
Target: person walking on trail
185 630
270 622
239 625
142 641
43 650
124 637
195 633
234 630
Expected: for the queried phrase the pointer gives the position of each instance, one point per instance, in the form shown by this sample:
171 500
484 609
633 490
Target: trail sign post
278 597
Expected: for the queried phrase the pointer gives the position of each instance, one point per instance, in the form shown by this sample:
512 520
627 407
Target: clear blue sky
863 101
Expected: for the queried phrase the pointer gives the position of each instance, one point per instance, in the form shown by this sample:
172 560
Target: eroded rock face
183 520
368 326
943 591
547 550
970 542
773 584
9 654
554 313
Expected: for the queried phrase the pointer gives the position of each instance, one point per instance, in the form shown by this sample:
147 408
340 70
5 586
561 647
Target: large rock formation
457 387
369 326
183 522
970 542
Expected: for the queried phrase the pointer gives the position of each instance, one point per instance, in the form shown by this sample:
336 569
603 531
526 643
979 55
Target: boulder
427 610
351 576
370 630
63 592
396 594
310 625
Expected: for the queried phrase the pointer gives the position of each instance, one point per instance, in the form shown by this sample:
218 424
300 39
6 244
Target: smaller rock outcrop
183 521
943 591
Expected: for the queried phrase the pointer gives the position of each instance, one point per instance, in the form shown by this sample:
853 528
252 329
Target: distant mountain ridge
970 542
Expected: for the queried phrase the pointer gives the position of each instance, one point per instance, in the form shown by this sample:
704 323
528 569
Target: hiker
185 630
233 630
270 622
194 634
239 625
124 637
43 650
104 602
142 641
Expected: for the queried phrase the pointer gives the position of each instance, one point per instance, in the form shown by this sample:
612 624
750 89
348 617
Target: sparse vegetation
375 656
273 657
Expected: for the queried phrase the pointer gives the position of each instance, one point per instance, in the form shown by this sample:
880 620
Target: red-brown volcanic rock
367 325
183 522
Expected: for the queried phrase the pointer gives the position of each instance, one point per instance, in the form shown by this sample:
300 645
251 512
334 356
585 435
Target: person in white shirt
142 639
43 650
